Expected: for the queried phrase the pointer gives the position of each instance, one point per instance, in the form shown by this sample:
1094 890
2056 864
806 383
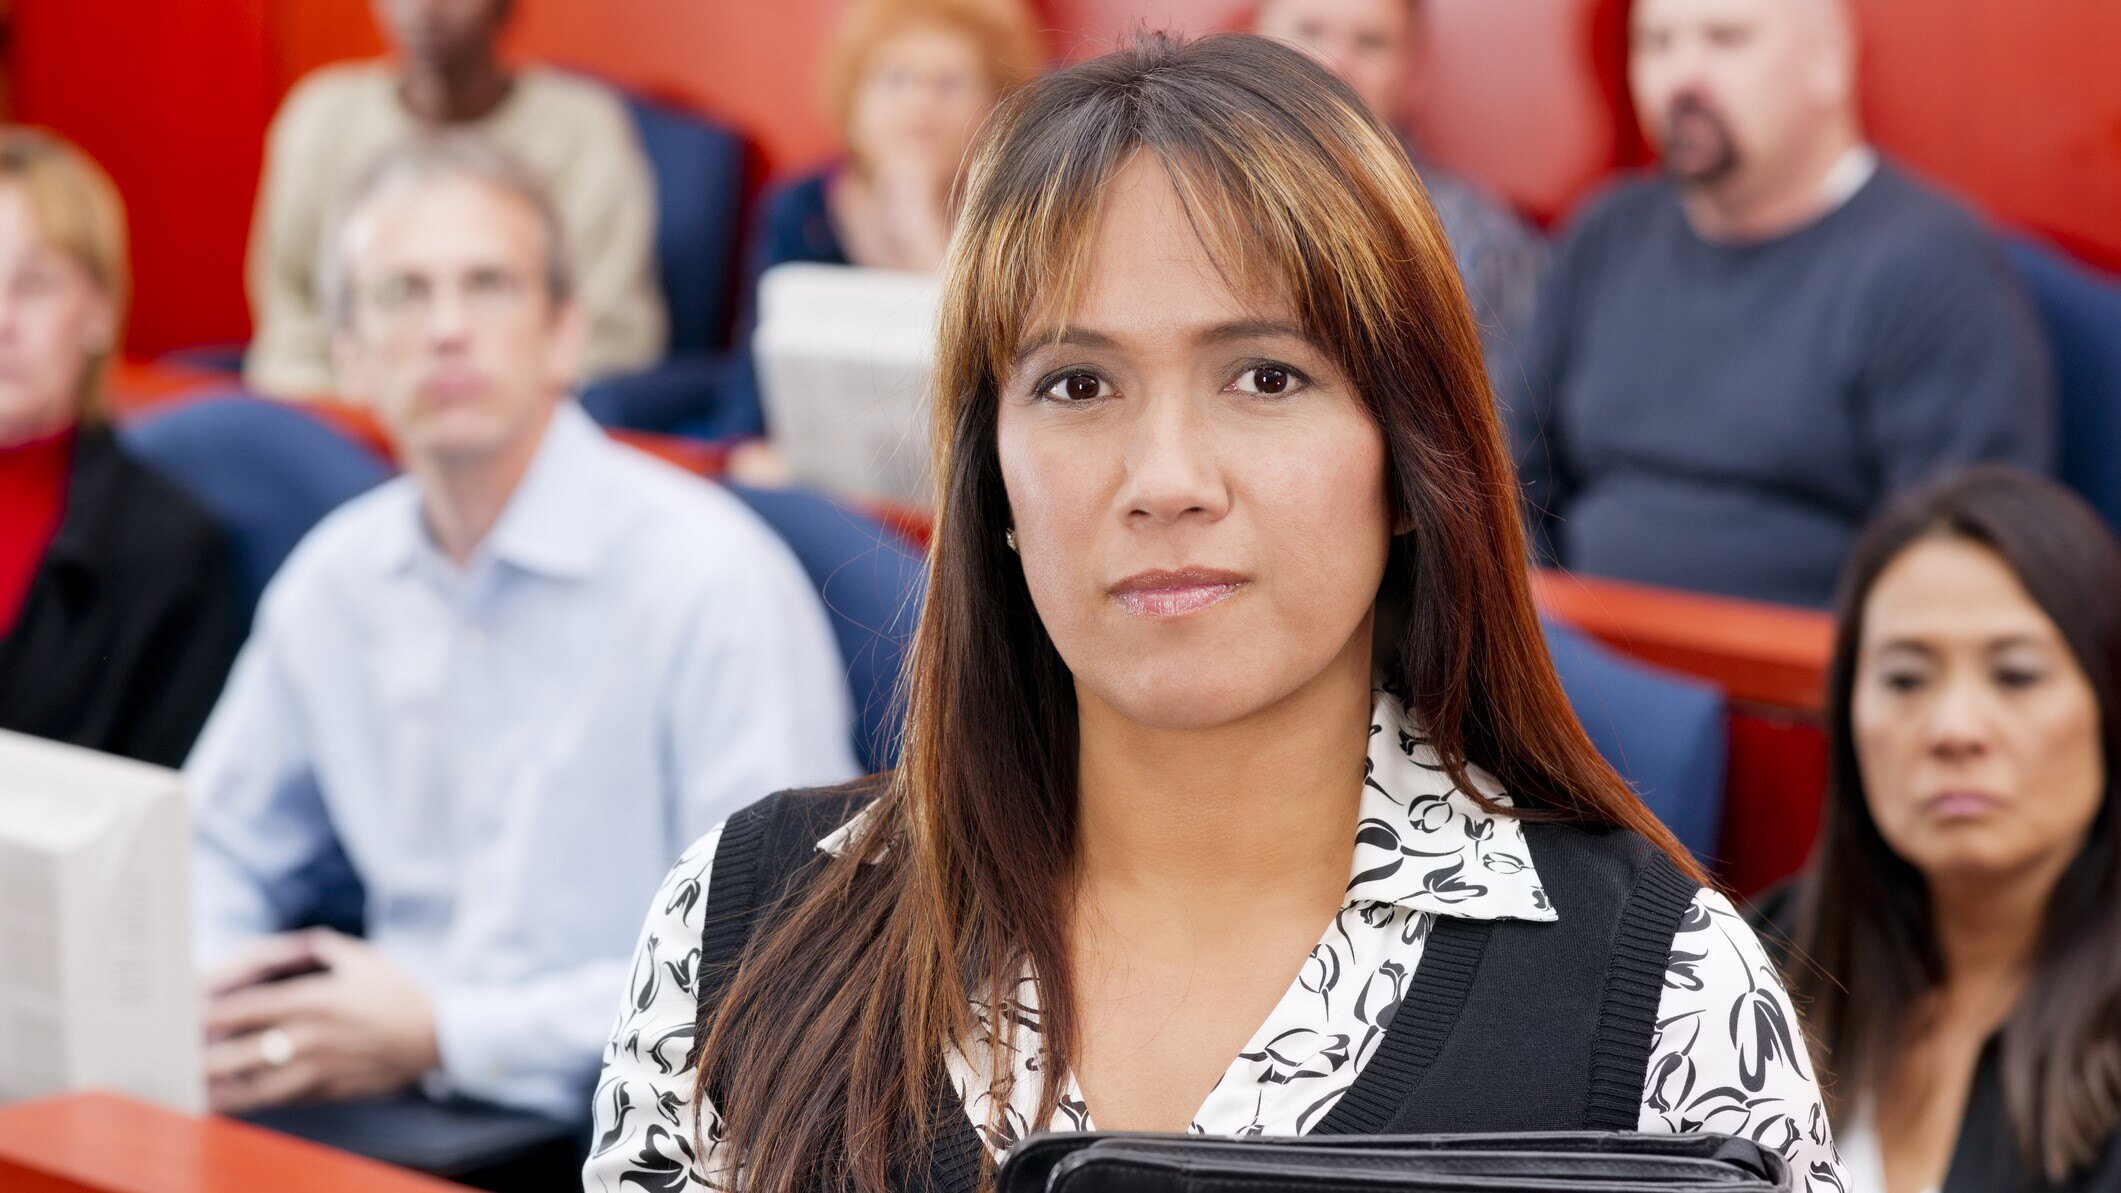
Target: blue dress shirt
512 753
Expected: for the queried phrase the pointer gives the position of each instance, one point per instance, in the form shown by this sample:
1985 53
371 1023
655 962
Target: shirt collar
1848 175
1421 843
549 526
1425 845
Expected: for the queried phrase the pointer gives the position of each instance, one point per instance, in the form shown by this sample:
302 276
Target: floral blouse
1728 1056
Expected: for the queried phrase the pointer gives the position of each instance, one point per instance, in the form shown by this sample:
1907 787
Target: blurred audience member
1956 936
507 688
446 74
1733 365
907 84
1378 47
118 606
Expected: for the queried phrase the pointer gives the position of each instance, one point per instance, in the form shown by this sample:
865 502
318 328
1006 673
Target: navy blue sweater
1725 417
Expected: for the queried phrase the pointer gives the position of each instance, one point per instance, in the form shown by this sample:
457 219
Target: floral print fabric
1728 1055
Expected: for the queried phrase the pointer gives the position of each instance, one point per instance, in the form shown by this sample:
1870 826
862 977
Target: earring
1009 537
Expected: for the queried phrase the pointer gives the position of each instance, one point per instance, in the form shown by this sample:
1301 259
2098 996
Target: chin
1189 693
458 435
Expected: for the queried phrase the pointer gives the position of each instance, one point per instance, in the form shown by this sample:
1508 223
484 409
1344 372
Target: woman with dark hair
1238 792
1957 937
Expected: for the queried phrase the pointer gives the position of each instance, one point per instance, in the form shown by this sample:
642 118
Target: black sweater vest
1507 1025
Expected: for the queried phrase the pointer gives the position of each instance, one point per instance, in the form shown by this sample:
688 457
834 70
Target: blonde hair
1003 30
77 206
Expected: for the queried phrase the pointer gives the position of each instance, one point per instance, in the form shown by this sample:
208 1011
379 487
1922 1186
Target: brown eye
1269 381
1076 387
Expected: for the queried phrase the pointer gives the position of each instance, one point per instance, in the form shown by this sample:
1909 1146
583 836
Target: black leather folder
1588 1162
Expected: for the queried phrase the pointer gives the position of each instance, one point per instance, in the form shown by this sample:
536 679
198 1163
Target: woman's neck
1226 814
1988 932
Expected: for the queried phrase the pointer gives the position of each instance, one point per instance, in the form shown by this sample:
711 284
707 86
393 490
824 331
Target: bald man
1734 363
1377 47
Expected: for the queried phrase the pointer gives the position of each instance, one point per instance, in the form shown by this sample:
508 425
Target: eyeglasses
407 300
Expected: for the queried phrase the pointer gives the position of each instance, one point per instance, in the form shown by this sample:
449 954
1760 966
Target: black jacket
131 621
1986 1157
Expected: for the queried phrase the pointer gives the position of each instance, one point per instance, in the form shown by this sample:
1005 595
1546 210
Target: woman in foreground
1239 795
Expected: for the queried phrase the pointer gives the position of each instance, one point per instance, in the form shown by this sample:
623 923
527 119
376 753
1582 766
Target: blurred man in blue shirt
505 689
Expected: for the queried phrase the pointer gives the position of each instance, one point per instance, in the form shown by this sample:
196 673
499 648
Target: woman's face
53 321
922 93
1198 494
1976 731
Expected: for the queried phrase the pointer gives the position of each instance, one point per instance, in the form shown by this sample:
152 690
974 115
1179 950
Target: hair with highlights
822 1053
78 209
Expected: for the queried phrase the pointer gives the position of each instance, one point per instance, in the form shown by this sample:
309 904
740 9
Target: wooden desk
1760 654
104 1143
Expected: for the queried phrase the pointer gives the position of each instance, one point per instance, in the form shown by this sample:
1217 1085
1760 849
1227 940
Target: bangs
1333 222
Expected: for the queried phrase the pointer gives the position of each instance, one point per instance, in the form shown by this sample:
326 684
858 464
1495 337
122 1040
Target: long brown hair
826 1044
1864 925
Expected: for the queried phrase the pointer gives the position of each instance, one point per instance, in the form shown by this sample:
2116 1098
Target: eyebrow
1993 645
1221 333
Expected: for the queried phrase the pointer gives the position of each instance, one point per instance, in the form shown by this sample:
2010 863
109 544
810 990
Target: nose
1960 723
1172 472
448 318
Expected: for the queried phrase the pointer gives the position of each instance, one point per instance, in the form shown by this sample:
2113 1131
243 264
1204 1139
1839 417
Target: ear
349 366
100 338
1834 65
568 346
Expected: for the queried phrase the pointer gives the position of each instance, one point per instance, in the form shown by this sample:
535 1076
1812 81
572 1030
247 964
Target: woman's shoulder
797 221
777 833
153 524
1606 861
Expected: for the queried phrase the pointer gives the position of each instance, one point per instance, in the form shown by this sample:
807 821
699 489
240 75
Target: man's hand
349 1024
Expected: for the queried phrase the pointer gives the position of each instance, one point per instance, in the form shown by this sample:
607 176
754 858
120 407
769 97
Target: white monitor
97 988
844 357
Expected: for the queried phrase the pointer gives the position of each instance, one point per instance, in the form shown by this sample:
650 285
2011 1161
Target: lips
1960 805
452 385
1162 595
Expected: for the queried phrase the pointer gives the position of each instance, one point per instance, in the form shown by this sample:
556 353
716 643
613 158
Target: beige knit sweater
571 132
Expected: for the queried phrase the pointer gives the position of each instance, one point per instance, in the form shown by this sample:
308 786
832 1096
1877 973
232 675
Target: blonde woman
907 82
118 609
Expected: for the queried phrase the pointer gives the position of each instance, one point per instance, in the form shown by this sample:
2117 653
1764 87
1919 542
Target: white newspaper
844 359
97 987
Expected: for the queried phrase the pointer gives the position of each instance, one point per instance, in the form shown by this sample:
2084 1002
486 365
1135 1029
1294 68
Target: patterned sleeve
1729 1054
643 1133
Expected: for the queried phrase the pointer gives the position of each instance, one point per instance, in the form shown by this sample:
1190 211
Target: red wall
172 97
2017 104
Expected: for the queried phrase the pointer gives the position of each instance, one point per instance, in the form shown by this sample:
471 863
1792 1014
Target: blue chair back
699 177
872 585
1664 733
2081 311
266 470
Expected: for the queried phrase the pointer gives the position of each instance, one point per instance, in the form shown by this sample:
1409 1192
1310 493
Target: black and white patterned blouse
1728 1056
